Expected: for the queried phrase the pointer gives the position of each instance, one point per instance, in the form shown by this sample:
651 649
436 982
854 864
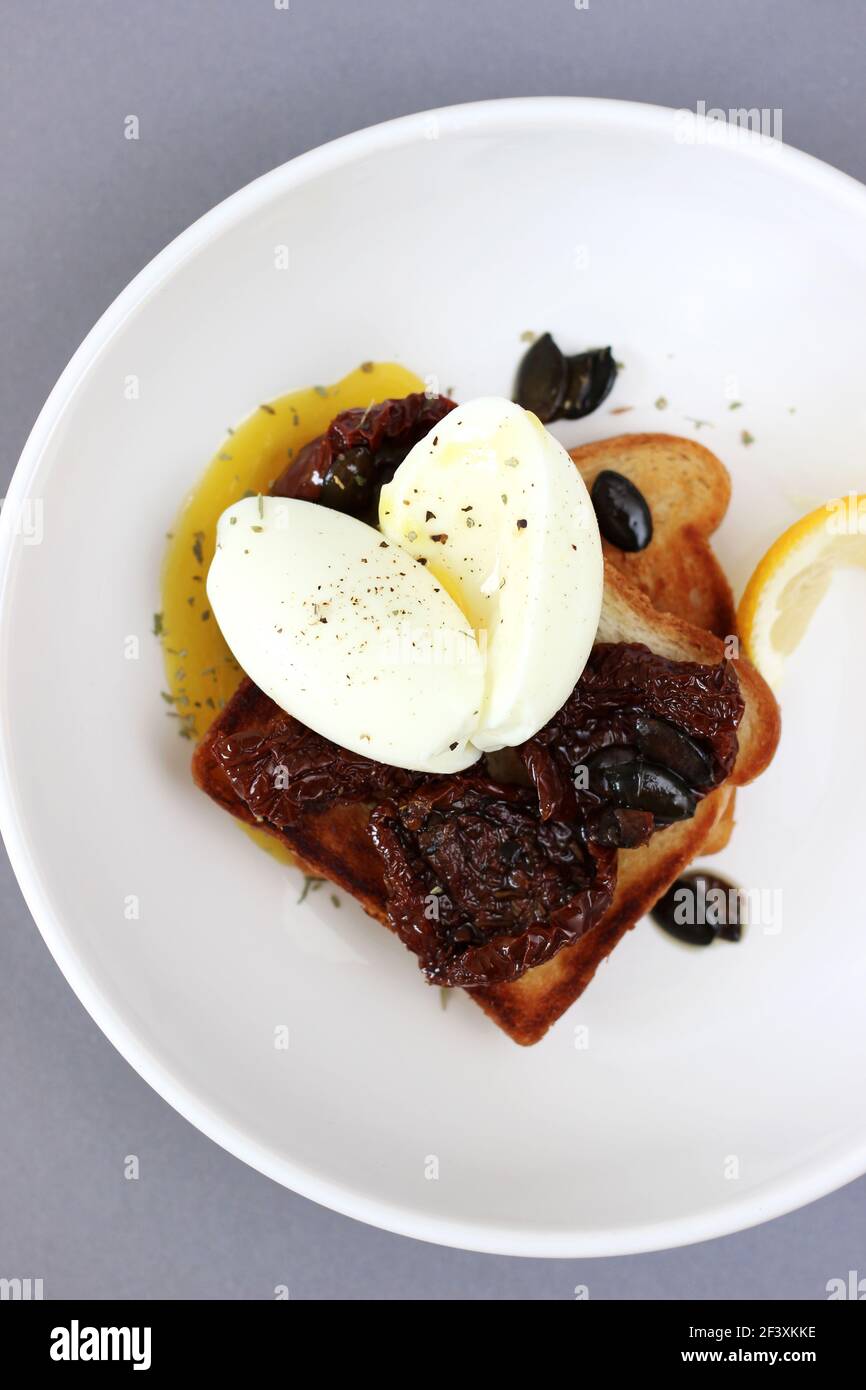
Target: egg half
493 504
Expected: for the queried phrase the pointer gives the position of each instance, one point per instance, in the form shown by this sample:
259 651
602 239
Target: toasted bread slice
688 490
334 843
723 828
527 1007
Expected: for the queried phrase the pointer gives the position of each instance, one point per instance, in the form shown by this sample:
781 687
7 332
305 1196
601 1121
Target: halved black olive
661 742
590 379
643 786
699 907
612 755
350 481
621 509
725 904
541 379
555 387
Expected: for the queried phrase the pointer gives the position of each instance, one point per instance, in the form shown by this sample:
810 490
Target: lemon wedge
794 576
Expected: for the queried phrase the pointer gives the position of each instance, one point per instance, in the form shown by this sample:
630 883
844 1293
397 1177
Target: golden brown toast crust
688 490
722 830
627 615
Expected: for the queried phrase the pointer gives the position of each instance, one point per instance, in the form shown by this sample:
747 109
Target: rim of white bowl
811 1180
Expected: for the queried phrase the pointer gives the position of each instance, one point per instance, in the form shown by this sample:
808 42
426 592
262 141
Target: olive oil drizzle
200 672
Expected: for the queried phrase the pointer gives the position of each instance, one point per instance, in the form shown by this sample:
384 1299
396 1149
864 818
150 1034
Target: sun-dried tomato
347 466
479 887
679 718
279 768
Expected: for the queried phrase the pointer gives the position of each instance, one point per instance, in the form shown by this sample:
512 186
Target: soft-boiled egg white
461 627
495 506
347 633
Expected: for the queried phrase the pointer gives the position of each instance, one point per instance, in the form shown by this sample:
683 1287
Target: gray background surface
224 91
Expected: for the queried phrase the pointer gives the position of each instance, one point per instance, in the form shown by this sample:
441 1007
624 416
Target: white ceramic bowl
718 1088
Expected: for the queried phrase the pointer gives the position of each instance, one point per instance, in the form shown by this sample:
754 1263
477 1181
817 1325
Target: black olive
724 903
589 380
661 742
389 455
600 765
541 379
623 516
612 755
643 786
675 913
350 481
699 907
